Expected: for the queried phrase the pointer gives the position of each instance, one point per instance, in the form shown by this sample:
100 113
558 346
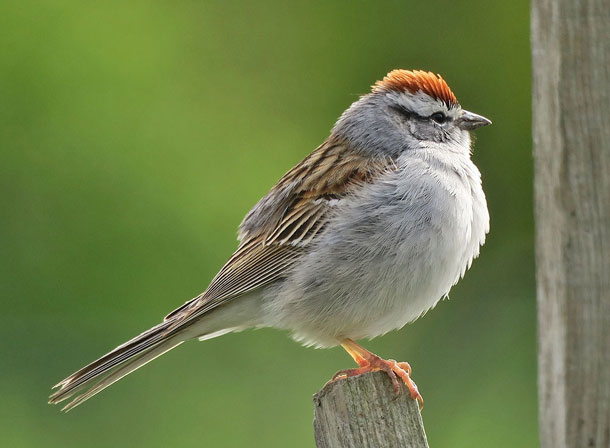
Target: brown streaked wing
287 219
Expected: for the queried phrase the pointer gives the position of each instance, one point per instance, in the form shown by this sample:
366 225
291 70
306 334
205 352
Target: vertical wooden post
571 120
363 412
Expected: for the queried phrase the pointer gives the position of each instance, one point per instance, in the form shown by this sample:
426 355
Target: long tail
113 366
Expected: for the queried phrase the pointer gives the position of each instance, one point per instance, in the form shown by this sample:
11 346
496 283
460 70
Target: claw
404 365
370 362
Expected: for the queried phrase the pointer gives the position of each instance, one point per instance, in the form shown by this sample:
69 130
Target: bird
363 236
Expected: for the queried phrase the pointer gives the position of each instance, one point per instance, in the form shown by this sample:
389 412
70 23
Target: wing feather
276 232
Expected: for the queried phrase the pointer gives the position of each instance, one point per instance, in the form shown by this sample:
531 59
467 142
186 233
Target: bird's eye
438 117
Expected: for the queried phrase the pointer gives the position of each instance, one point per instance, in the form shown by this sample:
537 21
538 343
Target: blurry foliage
135 135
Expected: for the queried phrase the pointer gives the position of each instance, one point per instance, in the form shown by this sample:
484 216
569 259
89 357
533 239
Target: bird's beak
469 121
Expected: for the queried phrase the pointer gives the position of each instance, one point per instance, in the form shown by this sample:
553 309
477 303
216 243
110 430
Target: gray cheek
425 132
429 132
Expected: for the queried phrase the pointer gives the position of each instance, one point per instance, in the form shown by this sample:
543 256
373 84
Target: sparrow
363 236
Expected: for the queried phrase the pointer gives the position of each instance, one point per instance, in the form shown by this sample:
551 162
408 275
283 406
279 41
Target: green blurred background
134 137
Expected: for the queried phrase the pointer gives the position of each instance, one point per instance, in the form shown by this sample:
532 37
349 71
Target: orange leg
369 361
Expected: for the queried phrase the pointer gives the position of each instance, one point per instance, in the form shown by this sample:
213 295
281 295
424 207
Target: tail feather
122 371
110 359
115 365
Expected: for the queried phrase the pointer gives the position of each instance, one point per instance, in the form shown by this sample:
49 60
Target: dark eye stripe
437 117
407 113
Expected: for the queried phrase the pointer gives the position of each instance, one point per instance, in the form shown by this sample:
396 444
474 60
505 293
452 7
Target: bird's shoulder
295 209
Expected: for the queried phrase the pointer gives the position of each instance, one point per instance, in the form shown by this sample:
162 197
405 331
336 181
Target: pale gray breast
389 254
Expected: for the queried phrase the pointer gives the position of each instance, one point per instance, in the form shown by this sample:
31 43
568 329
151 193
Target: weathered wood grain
363 411
571 120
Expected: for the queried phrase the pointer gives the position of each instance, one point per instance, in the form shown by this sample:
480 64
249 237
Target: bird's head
408 110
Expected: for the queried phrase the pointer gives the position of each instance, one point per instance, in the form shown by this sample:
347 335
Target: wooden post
571 118
363 411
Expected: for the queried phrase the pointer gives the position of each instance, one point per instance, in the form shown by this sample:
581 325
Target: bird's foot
369 362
